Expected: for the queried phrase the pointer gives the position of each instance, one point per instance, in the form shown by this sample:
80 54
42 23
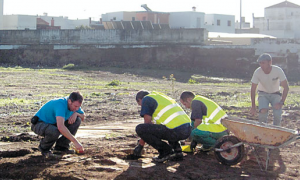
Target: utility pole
240 14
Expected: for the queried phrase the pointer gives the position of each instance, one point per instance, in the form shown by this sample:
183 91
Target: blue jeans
154 134
51 134
264 99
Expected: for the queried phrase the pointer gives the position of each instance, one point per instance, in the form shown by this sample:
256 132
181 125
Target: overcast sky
83 9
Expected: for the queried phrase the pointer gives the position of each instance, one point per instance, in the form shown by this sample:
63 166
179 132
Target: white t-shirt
269 83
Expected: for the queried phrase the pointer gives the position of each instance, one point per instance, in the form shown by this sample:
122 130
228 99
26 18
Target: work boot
176 156
161 158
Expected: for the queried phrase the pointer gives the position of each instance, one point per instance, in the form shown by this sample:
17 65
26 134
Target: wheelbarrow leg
258 159
268 157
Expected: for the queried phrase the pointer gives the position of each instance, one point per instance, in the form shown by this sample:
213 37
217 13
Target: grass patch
15 101
114 83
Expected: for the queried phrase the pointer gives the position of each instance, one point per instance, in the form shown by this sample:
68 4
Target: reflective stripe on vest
168 112
213 114
214 118
170 118
165 109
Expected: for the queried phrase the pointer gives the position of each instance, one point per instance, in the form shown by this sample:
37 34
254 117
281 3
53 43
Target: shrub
114 83
192 81
69 66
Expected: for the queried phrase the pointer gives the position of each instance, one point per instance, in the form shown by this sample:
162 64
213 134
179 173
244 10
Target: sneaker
161 158
45 153
66 151
178 156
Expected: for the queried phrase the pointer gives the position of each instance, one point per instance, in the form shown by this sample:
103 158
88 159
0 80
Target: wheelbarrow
229 150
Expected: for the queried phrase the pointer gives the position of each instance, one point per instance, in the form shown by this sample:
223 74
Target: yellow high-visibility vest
212 121
168 112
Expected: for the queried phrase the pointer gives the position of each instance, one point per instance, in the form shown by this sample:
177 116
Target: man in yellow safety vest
164 119
206 120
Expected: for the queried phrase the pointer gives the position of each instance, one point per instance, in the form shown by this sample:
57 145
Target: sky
83 9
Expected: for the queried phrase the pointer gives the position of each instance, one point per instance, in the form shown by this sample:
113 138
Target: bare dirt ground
115 111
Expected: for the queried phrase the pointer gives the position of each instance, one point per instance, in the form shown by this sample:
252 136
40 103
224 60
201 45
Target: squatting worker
268 79
57 117
164 119
206 120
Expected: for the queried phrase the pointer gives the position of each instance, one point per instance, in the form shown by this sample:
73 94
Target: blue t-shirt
149 105
55 107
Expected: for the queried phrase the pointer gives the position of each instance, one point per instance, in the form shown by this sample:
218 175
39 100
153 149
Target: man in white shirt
268 79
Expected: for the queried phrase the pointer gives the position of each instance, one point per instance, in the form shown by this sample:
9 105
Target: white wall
19 22
211 23
281 13
1 14
109 16
66 23
186 19
280 22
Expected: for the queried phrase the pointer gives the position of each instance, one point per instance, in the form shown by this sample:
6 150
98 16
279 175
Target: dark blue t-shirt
149 105
199 110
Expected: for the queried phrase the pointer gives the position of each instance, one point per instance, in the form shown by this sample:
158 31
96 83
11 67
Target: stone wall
77 37
224 61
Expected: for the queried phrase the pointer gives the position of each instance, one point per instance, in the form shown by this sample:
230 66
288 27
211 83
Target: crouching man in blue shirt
57 117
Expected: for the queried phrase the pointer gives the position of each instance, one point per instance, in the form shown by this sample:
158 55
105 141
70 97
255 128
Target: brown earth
107 152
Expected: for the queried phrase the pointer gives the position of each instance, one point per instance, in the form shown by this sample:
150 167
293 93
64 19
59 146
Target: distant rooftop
231 35
284 4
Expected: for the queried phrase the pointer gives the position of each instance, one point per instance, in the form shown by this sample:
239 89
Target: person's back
164 119
206 120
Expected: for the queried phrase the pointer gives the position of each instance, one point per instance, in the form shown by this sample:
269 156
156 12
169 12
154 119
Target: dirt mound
19 138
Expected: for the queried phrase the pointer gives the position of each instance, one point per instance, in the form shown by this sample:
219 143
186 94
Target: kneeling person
57 117
164 119
206 120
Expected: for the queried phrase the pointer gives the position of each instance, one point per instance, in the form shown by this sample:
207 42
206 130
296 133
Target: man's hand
72 118
253 111
78 146
138 150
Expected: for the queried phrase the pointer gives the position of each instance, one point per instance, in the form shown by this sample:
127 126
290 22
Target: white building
64 22
22 22
191 19
119 16
220 23
1 14
280 20
211 22
19 22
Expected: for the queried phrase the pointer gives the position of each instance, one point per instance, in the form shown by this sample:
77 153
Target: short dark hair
186 94
141 94
76 96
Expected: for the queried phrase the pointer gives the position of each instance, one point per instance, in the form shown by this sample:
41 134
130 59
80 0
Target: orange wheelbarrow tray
229 150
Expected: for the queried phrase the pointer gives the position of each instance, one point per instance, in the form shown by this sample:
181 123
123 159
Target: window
133 18
218 22
228 23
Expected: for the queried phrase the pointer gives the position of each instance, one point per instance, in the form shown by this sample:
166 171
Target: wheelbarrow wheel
231 156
